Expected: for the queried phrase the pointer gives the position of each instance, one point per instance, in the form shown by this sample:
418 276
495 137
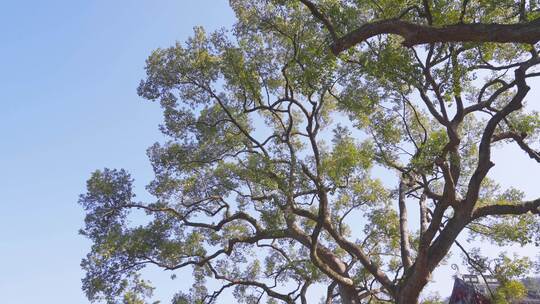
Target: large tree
285 134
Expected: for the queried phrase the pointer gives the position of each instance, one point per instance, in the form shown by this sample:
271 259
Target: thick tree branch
484 151
321 256
424 222
519 139
403 227
317 14
414 34
531 206
352 248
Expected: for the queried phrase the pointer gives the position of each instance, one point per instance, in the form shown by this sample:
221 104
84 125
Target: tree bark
409 293
403 227
407 298
348 295
414 34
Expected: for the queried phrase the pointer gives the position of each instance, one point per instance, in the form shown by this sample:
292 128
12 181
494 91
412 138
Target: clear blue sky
68 77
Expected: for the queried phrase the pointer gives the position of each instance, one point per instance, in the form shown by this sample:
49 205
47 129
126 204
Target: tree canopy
284 131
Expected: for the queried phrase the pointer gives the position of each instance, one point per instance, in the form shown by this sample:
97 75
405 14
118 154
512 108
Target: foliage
269 183
509 292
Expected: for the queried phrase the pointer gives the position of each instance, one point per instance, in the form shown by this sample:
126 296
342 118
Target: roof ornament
455 267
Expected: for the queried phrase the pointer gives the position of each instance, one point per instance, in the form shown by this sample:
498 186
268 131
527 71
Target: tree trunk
348 295
410 293
408 296
407 300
